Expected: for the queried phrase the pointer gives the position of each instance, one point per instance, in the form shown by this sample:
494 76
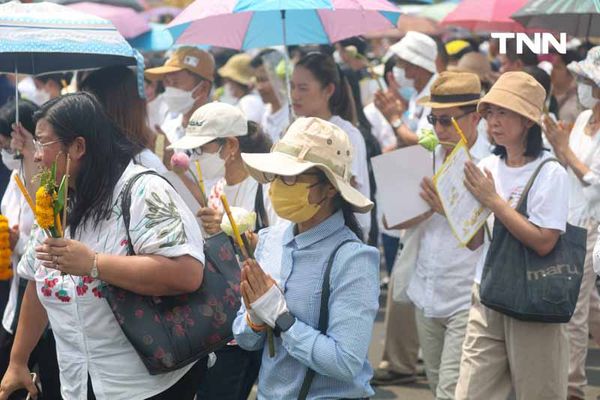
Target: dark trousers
43 356
184 389
233 376
390 250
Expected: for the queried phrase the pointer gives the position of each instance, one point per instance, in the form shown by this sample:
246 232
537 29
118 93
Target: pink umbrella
486 15
128 22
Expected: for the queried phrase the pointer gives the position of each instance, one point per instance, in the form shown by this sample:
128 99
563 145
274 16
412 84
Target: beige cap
516 91
476 63
188 58
238 69
453 89
311 143
212 121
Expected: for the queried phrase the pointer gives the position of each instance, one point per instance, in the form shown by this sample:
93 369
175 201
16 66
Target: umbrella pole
18 155
287 69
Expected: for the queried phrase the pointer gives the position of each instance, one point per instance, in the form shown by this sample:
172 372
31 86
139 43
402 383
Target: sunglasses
291 180
444 120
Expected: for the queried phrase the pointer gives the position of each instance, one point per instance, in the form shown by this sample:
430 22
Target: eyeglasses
39 146
291 180
198 150
444 120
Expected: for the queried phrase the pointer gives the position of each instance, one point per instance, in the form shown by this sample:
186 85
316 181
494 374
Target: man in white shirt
441 283
187 76
415 72
271 88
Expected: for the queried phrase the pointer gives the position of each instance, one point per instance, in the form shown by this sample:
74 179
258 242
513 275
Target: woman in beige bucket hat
310 172
501 352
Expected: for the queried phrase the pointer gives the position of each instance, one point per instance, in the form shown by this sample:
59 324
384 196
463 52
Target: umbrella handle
286 55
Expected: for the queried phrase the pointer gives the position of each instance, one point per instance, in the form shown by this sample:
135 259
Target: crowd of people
298 155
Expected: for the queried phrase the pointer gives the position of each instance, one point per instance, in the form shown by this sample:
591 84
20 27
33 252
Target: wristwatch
94 270
397 123
283 323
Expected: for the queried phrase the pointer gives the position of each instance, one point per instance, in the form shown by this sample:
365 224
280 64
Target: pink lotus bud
180 163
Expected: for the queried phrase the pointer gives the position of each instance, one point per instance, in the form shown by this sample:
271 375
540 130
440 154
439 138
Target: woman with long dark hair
67 276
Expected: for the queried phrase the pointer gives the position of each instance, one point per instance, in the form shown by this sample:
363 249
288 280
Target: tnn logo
538 45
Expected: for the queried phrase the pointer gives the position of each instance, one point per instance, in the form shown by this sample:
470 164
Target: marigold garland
5 252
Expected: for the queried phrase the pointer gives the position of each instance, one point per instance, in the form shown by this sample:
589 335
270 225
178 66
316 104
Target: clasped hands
263 299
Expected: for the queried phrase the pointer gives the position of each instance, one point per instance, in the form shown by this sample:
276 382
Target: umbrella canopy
157 39
575 17
128 22
246 24
45 37
486 15
134 4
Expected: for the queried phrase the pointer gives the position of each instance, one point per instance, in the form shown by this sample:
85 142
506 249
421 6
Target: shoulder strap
262 219
532 180
323 316
126 204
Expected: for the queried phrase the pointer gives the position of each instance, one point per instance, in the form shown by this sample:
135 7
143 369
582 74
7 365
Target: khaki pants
441 341
401 345
585 320
501 352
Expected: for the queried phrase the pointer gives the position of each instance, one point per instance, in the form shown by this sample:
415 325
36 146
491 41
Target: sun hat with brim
589 68
212 121
476 63
453 89
417 49
311 143
518 92
239 69
187 58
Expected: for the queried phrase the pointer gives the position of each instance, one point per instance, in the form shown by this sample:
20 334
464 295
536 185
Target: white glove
270 306
254 318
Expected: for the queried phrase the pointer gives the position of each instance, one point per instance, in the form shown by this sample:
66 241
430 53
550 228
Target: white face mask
213 166
586 98
41 96
9 160
178 101
406 87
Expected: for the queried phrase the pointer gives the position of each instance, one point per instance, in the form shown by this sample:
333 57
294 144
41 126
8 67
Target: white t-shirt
360 169
274 124
584 201
548 199
252 106
241 195
416 115
380 127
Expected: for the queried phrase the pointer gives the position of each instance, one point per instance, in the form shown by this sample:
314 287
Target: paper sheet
398 175
464 212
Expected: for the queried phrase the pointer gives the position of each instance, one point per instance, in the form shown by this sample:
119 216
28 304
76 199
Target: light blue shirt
339 358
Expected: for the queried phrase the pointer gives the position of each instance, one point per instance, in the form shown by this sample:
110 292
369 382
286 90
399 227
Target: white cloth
89 339
380 127
15 208
147 159
416 115
241 195
157 111
274 124
252 106
548 200
172 127
584 200
360 168
270 306
441 283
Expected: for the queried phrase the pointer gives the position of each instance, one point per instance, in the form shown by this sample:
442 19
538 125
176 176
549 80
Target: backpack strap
323 316
523 199
126 204
262 219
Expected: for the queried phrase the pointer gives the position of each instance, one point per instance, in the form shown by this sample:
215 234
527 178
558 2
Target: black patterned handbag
169 332
518 282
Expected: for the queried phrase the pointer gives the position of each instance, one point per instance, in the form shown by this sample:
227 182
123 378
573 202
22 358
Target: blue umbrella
157 39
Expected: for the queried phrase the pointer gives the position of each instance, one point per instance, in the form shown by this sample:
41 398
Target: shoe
382 377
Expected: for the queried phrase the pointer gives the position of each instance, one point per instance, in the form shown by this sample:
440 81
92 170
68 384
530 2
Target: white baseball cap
418 49
212 121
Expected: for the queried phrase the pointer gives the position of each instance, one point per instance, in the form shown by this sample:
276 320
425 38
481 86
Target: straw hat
588 68
453 89
238 69
417 49
476 63
518 92
188 58
212 121
311 143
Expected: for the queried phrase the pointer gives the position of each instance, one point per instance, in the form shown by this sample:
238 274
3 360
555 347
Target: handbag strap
126 204
529 184
323 316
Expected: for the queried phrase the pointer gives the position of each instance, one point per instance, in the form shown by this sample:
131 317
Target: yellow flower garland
5 252
44 212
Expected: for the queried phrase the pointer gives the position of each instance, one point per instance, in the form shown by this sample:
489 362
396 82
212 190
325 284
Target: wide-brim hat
417 49
453 89
589 68
311 143
238 68
516 91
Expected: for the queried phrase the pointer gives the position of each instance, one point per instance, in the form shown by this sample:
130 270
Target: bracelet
253 326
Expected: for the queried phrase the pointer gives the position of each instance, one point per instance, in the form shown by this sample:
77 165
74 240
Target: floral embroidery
161 212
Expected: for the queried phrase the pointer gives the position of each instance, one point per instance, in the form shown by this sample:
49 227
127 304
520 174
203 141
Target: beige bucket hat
238 69
516 91
311 143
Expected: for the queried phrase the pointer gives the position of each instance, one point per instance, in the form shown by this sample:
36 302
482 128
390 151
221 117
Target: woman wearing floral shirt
95 358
